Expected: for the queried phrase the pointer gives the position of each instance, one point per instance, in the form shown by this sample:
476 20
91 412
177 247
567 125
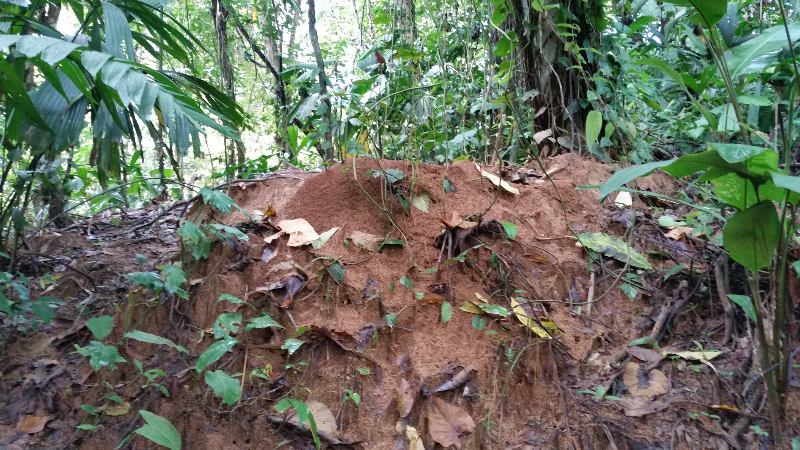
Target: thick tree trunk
327 146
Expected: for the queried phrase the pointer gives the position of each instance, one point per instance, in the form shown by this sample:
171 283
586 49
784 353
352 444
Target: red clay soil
516 401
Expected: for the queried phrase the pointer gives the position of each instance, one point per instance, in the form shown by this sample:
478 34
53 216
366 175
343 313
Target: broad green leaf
323 238
100 326
421 201
224 385
479 323
447 312
511 229
17 97
174 277
100 355
758 53
141 336
709 12
750 236
41 308
664 67
614 247
594 123
117 32
756 100
709 161
405 281
786 182
629 174
303 415
735 191
232 299
264 321
149 280
217 199
734 153
159 430
292 345
746 303
336 271
214 352
226 323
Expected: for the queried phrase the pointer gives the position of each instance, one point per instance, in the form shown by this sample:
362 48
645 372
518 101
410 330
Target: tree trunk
327 146
539 68
219 13
406 23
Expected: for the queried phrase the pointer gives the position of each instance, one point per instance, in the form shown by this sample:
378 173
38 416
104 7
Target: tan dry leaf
623 200
366 241
497 181
271 238
323 417
299 230
415 442
457 222
32 424
118 410
542 135
640 406
446 423
677 233
641 385
405 398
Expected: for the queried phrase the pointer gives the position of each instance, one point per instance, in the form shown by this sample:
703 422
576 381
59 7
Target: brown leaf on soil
323 417
117 409
299 230
32 424
431 300
645 354
405 398
639 406
644 385
677 233
446 423
366 241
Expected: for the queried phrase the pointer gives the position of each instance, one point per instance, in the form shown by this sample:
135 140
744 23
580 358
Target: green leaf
214 352
675 269
159 430
405 281
786 182
494 309
629 174
232 299
149 280
709 12
709 160
614 247
421 201
323 238
5 306
264 321
292 345
479 323
394 175
447 312
101 355
750 236
226 323
42 309
758 53
100 326
17 97
224 385
217 199
117 32
173 279
756 100
511 229
303 415
141 336
594 123
734 153
336 271
746 303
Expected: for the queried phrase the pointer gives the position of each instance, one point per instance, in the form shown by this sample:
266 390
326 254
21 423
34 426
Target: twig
244 372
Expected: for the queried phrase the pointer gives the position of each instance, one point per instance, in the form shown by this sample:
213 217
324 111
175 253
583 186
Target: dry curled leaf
677 233
456 381
32 424
645 354
299 230
446 423
644 385
497 181
405 398
323 417
414 441
366 241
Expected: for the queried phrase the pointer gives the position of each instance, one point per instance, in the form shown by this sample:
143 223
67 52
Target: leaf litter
388 324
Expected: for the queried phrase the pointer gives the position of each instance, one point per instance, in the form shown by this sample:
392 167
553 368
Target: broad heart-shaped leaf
173 278
153 339
709 11
226 323
786 182
100 326
159 430
629 174
101 355
214 353
149 280
746 303
734 153
594 123
224 385
750 236
217 199
614 247
264 321
710 161
735 191
758 53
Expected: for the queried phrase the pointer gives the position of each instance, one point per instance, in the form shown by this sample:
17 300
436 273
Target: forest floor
510 389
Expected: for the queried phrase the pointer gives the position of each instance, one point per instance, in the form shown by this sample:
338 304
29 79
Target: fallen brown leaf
32 424
640 406
405 398
677 233
323 417
645 354
414 441
446 423
644 385
366 241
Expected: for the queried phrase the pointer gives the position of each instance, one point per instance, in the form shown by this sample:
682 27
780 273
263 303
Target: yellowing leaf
414 441
523 317
470 307
118 410
614 247
497 181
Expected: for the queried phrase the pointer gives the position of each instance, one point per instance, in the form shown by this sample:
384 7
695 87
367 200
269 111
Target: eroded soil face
523 389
